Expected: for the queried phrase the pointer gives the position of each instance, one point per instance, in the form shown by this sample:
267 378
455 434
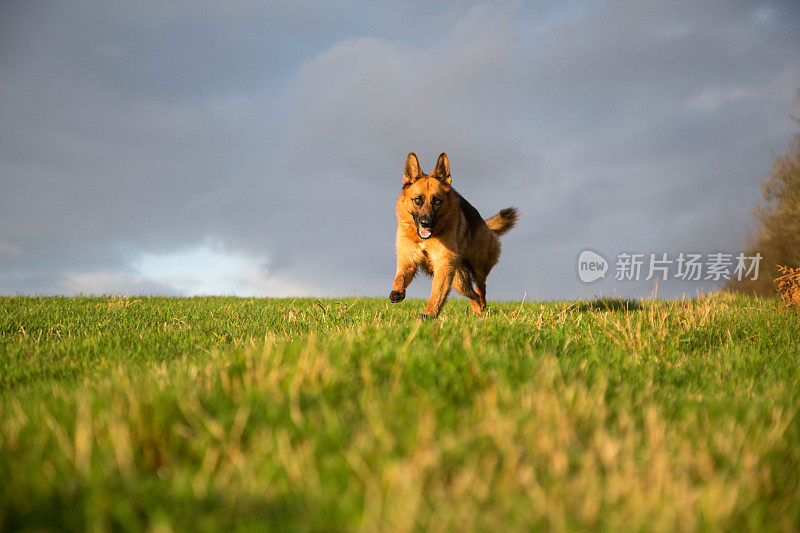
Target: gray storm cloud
278 134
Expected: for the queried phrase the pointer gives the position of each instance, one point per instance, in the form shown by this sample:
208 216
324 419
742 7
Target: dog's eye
418 200
436 201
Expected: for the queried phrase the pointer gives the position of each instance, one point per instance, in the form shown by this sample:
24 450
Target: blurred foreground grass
228 413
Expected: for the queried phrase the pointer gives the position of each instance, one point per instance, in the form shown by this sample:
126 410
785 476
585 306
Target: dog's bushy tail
503 221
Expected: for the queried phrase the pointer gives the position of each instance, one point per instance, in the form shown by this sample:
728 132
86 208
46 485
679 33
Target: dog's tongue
424 233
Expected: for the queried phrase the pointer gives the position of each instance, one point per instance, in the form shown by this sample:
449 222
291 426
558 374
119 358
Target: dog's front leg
440 288
406 270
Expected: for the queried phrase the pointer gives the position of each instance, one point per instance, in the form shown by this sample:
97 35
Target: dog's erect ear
412 172
442 171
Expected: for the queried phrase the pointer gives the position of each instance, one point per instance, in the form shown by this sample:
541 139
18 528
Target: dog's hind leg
480 288
462 282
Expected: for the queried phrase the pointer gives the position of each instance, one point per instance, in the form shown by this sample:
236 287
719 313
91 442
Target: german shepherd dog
439 231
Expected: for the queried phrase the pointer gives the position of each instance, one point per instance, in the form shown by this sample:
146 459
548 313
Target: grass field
227 413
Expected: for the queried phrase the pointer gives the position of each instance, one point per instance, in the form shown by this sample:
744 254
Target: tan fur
503 221
462 248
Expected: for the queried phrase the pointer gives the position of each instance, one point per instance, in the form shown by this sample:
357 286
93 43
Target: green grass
227 413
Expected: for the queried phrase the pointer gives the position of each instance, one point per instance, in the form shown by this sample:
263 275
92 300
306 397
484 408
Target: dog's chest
423 256
426 249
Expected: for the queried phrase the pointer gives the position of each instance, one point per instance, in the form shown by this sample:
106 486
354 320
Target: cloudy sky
257 148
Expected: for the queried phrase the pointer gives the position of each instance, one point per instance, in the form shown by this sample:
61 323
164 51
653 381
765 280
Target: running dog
440 232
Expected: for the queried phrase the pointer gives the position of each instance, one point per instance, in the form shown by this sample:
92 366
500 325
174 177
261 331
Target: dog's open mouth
423 233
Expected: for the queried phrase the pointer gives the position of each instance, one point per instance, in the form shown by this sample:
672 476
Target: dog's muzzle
424 227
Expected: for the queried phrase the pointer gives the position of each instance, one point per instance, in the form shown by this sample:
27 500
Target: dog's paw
397 296
425 317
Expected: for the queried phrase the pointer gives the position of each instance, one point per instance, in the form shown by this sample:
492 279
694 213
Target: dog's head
426 197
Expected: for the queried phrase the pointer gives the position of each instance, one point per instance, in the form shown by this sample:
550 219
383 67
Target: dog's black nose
425 222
